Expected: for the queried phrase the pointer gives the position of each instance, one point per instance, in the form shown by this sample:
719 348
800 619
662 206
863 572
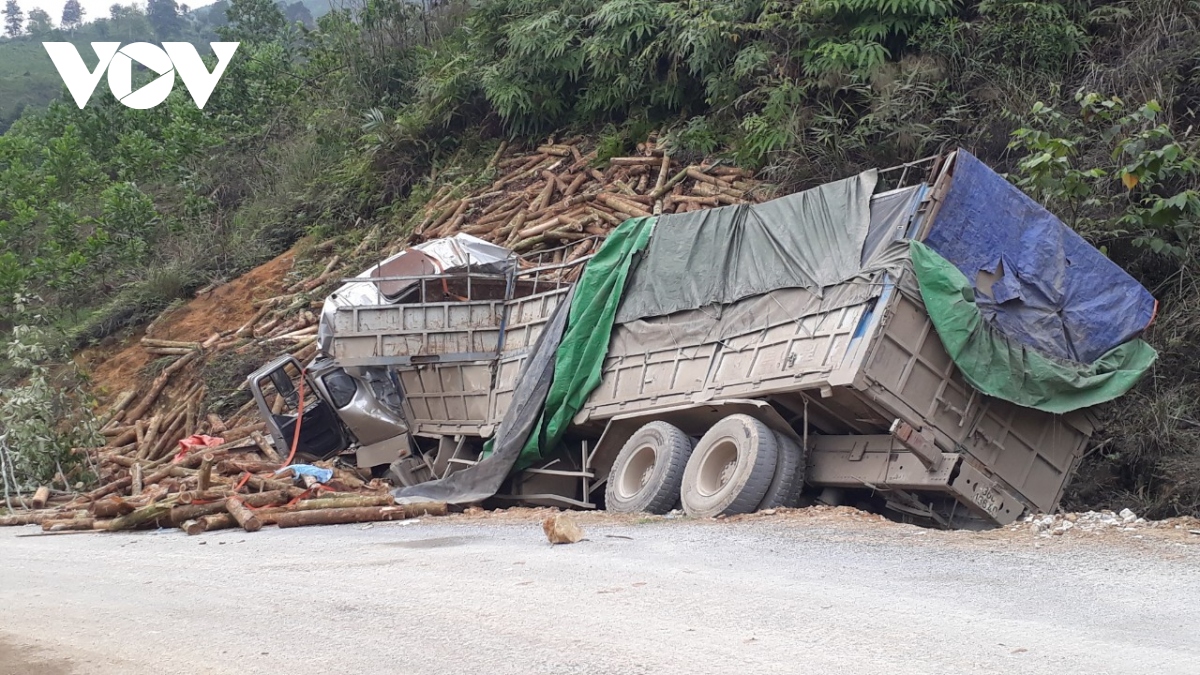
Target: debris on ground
562 529
1050 525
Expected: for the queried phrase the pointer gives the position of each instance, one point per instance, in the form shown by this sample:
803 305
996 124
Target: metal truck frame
864 388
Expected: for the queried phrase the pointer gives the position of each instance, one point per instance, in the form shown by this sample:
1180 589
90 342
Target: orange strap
299 418
295 439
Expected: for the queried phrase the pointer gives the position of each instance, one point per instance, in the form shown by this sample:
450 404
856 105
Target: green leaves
1156 206
40 419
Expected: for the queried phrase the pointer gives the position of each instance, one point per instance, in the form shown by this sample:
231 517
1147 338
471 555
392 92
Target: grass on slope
27 79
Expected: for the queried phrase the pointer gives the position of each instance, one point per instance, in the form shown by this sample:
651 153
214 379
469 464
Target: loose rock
561 529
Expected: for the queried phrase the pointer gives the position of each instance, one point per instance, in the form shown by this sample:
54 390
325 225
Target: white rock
1127 515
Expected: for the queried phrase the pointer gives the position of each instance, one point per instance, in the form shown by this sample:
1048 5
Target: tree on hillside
14 18
254 20
298 13
40 22
217 14
72 15
164 17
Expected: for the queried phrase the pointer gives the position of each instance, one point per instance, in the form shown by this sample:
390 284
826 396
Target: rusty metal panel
909 374
507 371
798 354
877 461
379 335
791 354
527 317
652 379
456 393
1035 452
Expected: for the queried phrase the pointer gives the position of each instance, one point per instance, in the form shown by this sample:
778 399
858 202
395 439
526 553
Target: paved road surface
466 596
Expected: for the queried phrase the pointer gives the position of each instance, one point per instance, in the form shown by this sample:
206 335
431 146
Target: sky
93 9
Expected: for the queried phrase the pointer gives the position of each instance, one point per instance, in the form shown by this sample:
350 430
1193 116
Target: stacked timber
561 197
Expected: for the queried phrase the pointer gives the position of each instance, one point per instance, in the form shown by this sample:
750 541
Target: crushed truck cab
933 347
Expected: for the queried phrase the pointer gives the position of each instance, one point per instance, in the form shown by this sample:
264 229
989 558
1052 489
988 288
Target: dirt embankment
115 368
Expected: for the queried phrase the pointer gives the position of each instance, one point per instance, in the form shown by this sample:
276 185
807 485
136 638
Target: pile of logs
555 196
147 479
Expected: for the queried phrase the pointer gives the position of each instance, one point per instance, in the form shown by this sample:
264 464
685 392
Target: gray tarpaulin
811 239
481 481
891 218
692 328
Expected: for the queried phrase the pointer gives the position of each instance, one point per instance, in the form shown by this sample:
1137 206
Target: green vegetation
28 78
107 214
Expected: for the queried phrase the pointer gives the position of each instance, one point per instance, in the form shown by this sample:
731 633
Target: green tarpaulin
584 343
1002 367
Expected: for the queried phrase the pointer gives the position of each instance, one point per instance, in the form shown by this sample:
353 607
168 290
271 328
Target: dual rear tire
740 465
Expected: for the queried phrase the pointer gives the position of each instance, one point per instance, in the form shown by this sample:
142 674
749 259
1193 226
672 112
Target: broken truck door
277 388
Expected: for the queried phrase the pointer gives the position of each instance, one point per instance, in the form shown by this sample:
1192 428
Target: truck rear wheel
731 468
789 475
648 471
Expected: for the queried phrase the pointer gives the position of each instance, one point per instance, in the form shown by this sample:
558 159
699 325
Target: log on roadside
214 521
41 496
139 517
271 515
67 525
112 507
242 514
366 514
38 517
182 513
119 407
205 476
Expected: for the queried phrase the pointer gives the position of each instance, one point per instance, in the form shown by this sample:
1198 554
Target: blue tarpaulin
1034 278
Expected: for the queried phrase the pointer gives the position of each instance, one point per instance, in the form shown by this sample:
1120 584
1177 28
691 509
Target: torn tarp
1034 278
1001 366
811 239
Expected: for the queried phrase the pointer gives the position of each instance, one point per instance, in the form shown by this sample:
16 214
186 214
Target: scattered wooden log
68 524
169 344
119 406
239 466
38 517
111 507
206 496
364 514
243 515
634 161
208 523
41 496
139 517
205 475
265 448
158 385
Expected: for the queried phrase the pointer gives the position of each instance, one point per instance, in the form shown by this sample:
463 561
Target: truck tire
788 481
730 469
648 471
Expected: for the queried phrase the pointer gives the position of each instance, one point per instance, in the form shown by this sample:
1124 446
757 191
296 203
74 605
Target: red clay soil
115 368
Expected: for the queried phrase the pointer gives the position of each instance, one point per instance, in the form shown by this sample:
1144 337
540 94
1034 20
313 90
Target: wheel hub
727 472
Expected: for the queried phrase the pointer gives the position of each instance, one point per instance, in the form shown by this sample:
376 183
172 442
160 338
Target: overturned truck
934 349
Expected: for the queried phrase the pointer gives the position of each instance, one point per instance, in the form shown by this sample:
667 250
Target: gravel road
469 595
